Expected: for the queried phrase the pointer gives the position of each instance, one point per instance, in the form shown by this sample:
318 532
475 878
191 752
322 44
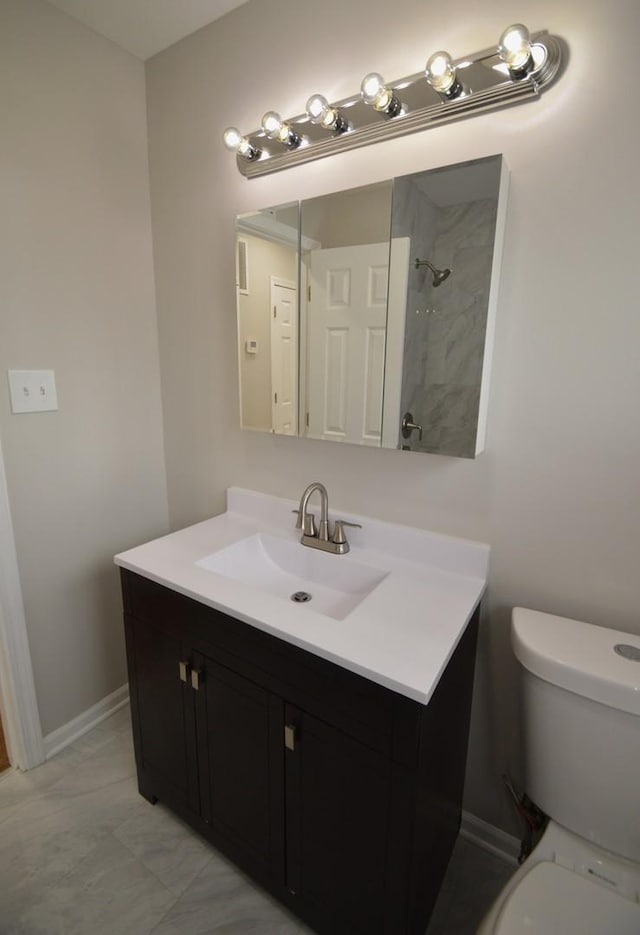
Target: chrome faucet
320 538
306 520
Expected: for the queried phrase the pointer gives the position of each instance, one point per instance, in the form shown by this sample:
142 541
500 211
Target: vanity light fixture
514 70
441 75
375 92
237 143
278 129
321 112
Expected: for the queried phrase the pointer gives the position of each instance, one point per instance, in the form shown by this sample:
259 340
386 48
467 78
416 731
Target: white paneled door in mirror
346 322
284 356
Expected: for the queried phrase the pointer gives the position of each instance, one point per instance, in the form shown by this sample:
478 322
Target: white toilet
581 717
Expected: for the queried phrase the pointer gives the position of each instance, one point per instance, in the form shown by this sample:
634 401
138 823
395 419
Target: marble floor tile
222 899
95 739
17 788
473 880
82 853
165 846
107 893
111 764
166 928
118 722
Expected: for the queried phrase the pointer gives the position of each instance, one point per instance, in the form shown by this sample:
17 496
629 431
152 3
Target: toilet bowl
581 718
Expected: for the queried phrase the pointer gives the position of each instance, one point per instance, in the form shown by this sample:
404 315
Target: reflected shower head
439 275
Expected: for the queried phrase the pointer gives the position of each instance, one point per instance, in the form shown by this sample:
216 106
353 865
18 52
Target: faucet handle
309 528
338 531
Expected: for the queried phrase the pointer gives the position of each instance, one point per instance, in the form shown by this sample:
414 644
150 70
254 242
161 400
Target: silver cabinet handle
290 736
196 675
183 669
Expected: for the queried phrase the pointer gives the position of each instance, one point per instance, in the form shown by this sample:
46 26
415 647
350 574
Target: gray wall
77 296
556 491
265 259
347 218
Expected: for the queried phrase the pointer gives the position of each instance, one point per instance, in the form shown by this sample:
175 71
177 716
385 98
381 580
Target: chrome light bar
487 80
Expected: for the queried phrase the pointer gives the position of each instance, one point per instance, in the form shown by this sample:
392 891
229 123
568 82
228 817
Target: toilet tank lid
579 657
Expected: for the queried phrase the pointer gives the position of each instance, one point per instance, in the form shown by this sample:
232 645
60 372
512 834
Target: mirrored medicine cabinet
366 316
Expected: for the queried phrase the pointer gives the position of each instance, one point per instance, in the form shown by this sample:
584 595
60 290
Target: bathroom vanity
307 752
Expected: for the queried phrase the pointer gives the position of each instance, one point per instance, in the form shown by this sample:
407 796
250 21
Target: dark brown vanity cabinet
340 797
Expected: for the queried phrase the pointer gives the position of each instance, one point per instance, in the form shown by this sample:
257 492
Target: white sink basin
335 583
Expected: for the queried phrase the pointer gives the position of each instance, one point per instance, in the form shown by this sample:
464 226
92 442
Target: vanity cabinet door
239 730
162 706
338 806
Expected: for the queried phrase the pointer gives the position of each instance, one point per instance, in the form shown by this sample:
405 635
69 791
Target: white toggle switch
32 390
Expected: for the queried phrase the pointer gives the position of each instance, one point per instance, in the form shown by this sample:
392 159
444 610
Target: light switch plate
32 391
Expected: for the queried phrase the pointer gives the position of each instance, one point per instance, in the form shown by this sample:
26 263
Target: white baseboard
61 737
490 838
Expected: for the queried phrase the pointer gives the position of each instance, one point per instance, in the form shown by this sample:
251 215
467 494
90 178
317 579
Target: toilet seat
551 899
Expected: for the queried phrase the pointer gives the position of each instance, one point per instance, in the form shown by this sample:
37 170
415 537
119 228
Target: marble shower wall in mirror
450 216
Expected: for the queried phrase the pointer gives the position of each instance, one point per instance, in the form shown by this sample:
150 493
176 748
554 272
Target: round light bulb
235 141
272 124
317 108
232 138
277 129
371 88
374 92
514 47
439 72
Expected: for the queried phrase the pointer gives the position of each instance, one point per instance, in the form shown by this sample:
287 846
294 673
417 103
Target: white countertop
401 635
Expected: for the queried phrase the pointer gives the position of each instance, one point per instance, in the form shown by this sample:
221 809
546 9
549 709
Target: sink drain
300 597
629 652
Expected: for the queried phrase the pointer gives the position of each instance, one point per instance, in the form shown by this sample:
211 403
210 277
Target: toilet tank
581 719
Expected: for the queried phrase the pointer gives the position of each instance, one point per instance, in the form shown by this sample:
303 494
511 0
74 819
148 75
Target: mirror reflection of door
347 314
354 322
284 357
267 275
344 317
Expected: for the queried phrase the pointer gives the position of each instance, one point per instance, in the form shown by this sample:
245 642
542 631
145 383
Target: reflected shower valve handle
408 426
